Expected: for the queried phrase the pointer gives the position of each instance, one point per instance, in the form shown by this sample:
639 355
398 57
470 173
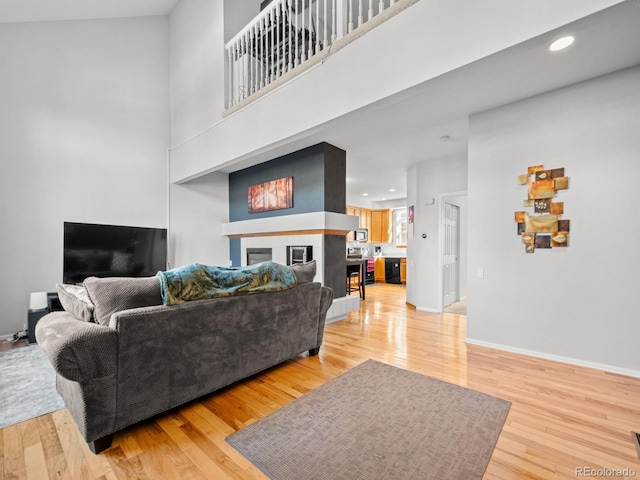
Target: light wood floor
562 418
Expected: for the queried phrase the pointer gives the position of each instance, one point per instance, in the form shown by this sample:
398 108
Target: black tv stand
34 316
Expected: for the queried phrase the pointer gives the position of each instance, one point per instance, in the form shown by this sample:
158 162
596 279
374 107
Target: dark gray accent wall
335 264
318 182
335 186
235 252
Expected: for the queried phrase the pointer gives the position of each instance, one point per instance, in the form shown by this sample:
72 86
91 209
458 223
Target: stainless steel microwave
362 235
299 254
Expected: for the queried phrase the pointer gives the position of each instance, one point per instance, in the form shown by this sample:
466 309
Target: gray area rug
376 421
27 385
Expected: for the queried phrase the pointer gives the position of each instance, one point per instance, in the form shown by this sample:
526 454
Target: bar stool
353 273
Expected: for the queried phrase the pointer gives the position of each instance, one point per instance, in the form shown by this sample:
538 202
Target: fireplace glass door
258 255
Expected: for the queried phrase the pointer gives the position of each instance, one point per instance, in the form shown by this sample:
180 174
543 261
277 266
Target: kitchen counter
355 261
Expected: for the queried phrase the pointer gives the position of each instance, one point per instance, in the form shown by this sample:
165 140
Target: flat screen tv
112 251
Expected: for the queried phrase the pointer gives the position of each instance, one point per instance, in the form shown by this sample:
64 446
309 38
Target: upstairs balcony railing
288 33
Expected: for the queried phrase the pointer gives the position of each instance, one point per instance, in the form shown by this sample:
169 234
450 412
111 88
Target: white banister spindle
252 59
297 35
271 54
254 53
303 53
290 41
230 86
326 24
310 47
350 13
260 52
370 12
245 65
334 30
317 28
391 2
360 18
342 18
380 7
246 61
277 52
240 69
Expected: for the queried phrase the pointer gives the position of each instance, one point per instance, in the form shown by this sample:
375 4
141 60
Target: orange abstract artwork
273 195
543 228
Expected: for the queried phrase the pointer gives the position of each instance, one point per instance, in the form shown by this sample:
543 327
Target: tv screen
112 251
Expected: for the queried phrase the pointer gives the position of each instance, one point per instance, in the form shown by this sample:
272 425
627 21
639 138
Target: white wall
198 208
575 303
237 15
84 127
197 67
432 179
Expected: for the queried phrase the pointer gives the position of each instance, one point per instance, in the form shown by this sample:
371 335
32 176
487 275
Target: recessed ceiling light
561 43
392 189
365 194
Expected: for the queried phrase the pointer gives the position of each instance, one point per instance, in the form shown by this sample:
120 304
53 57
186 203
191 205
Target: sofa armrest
79 351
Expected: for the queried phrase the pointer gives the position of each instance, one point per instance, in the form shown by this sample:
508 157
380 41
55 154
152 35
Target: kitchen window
400 226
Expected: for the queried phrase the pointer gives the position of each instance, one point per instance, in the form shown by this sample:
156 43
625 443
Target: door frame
441 199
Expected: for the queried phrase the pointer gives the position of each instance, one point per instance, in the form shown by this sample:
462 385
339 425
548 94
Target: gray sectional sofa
137 358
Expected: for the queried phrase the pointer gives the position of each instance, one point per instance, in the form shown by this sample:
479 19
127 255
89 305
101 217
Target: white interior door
451 245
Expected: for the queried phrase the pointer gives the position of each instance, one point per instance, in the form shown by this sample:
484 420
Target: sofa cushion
75 300
111 295
305 272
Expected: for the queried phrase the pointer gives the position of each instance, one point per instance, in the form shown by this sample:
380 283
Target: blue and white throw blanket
197 282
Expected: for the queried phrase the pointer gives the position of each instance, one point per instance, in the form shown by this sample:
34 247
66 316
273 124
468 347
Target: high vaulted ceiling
49 10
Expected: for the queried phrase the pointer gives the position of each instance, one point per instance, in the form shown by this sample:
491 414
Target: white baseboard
426 309
558 358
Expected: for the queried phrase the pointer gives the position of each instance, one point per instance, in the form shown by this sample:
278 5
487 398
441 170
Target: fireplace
257 255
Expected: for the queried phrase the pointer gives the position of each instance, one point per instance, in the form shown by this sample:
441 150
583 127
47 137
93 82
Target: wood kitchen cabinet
378 271
403 271
365 219
380 230
364 215
378 222
350 211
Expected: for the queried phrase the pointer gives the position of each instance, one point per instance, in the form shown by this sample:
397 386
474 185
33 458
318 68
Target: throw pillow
76 301
111 295
305 272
